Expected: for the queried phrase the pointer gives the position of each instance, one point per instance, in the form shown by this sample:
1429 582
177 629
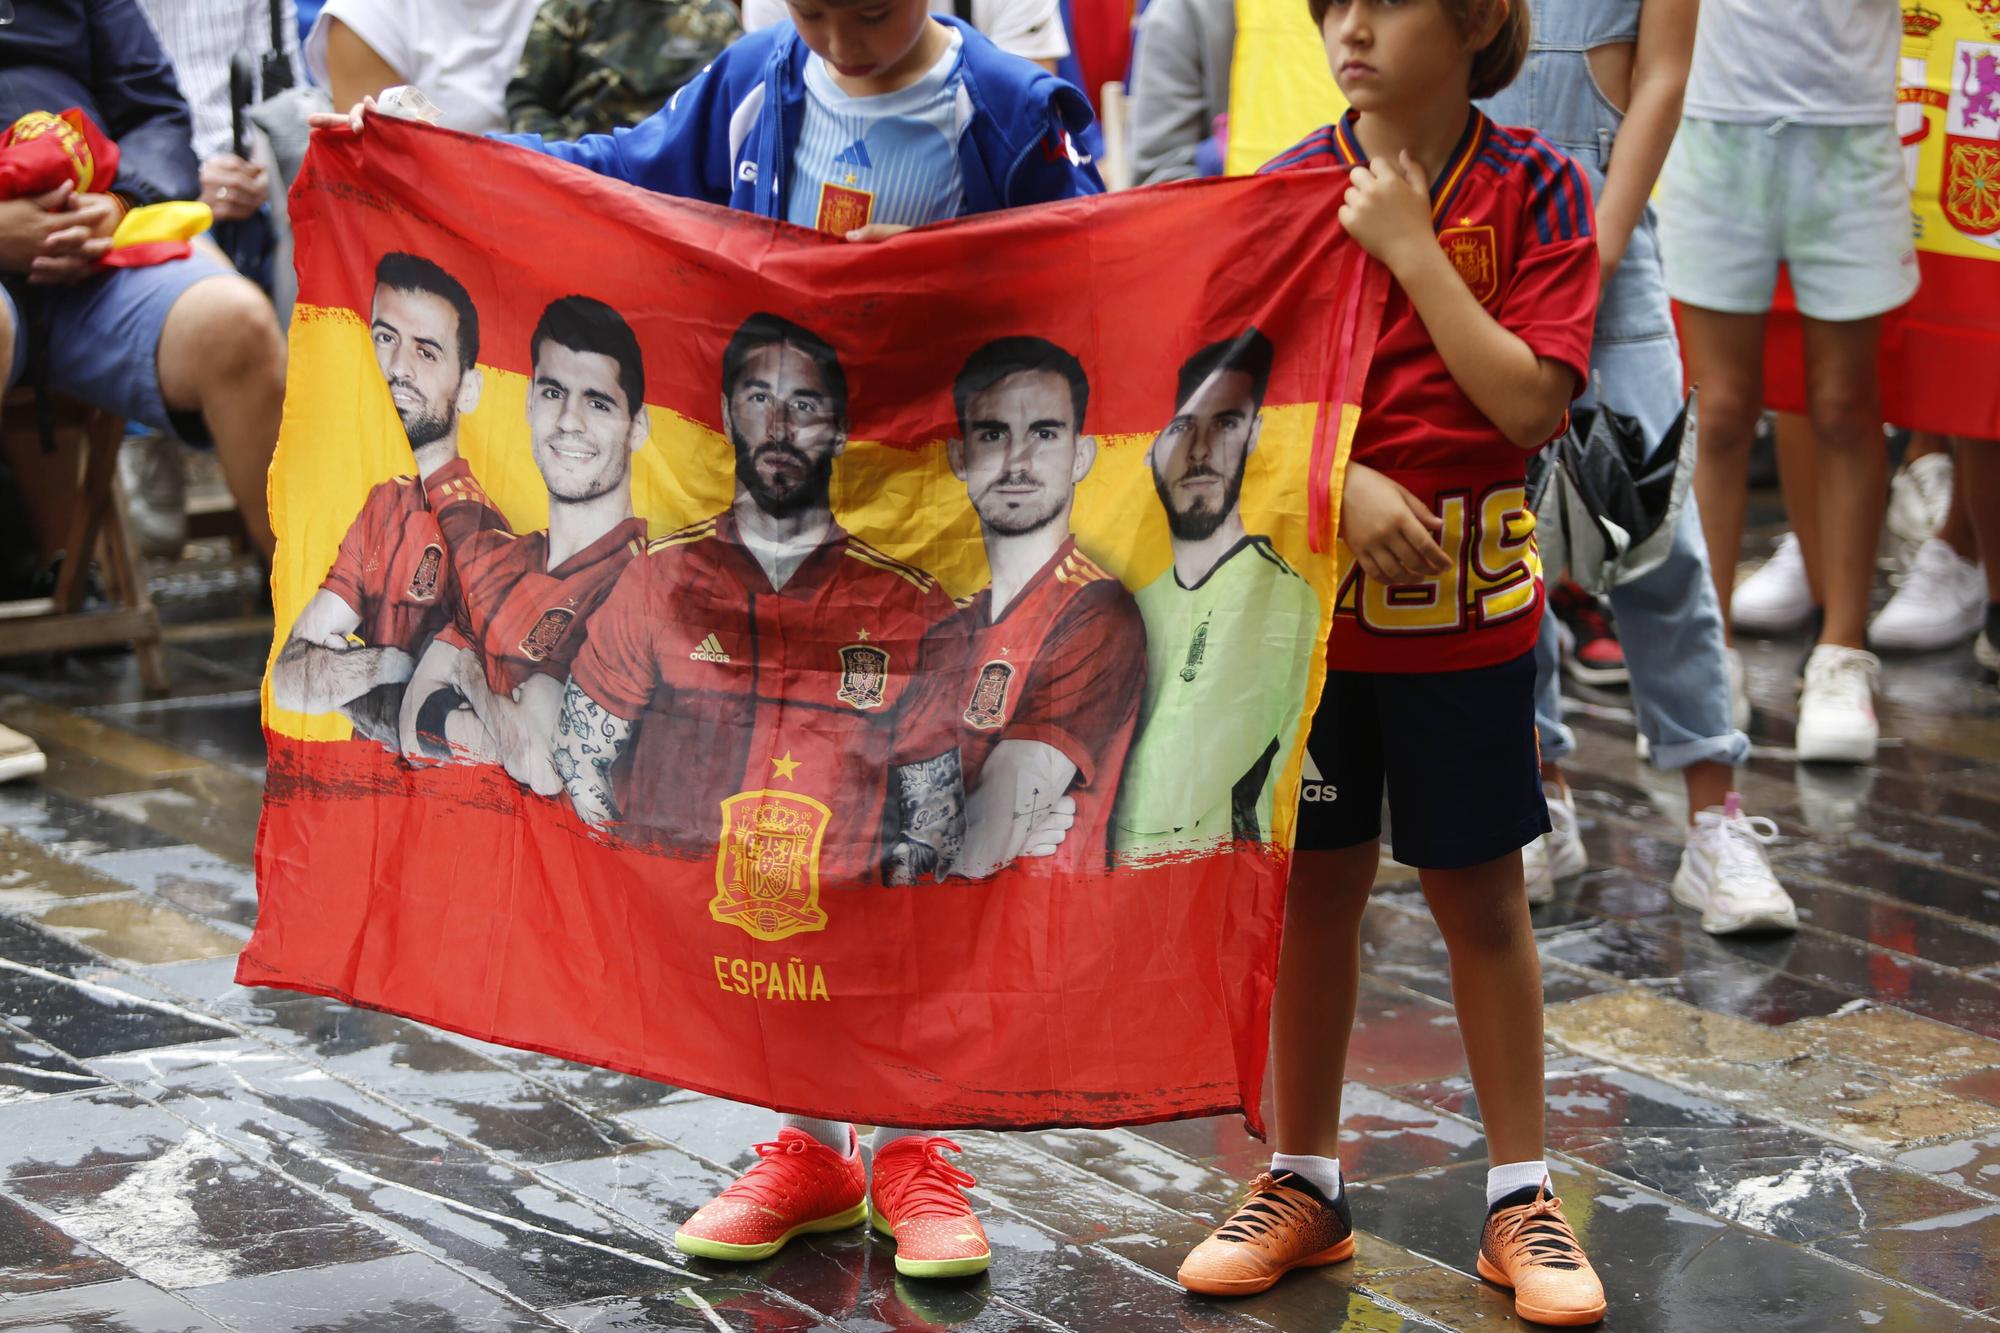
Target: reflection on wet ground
1798 1133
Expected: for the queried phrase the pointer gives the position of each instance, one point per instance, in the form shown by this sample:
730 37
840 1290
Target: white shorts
1831 201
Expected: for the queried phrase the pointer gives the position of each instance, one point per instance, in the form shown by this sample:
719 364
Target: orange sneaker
1529 1249
1285 1223
919 1198
798 1185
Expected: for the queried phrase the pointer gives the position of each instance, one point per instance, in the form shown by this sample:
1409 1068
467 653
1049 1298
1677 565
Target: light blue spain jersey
891 159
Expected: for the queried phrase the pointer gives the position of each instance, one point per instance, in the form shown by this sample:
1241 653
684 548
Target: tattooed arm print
588 742
930 806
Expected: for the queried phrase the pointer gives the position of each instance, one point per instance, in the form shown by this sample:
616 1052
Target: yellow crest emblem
767 864
1473 253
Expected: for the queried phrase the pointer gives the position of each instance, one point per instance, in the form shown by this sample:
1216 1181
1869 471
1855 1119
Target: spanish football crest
1472 252
864 675
1969 187
767 864
424 579
988 707
547 635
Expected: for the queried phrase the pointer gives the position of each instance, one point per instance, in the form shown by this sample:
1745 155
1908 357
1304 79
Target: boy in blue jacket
862 118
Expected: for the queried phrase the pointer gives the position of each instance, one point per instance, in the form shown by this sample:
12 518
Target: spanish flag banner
868 680
1938 351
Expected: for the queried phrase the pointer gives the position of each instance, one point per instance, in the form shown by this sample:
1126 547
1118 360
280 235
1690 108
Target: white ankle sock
1505 1179
835 1134
888 1134
1323 1172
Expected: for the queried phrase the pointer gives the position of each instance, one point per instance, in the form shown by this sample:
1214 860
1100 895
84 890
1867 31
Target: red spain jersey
747 700
526 618
1065 664
1514 216
392 569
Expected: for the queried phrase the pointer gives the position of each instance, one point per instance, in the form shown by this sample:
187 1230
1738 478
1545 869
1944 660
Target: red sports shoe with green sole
919 1198
799 1185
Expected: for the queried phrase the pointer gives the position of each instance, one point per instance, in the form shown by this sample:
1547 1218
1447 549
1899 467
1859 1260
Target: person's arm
588 741
1659 79
433 700
133 84
929 798
546 71
1170 112
354 69
1009 814
1388 211
1058 167
522 725
320 670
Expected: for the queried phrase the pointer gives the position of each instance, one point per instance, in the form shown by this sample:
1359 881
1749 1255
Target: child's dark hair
1495 64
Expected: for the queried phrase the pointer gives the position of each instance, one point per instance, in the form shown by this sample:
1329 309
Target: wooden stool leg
100 469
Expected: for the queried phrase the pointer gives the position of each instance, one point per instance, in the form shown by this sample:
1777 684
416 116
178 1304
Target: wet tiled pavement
1796 1133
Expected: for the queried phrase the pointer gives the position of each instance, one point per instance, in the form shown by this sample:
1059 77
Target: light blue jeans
1669 621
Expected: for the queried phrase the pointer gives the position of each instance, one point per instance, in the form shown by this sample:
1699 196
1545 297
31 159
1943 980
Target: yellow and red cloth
43 149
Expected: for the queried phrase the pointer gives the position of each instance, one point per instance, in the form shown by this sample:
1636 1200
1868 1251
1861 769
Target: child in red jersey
1485 340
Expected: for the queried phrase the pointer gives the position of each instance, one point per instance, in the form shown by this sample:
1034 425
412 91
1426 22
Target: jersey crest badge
424 579
864 675
988 708
1473 253
547 635
1197 649
843 209
767 864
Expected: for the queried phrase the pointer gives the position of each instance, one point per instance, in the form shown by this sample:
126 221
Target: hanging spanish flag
866 680
1938 351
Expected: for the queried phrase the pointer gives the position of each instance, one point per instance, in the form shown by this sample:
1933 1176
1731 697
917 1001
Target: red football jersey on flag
392 569
1515 217
804 697
526 618
1065 664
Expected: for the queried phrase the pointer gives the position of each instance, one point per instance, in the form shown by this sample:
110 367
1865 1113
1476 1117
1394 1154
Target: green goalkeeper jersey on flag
1190 782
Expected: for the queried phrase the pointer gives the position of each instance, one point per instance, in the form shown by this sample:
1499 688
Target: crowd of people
1770 142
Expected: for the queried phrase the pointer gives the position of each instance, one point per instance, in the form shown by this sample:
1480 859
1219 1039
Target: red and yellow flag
866 680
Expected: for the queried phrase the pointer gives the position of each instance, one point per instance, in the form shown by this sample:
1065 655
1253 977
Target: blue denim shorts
104 336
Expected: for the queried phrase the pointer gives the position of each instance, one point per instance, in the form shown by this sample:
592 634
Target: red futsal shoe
919 1198
799 1185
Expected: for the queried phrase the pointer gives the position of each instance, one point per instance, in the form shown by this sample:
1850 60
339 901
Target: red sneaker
799 1185
1594 655
919 1198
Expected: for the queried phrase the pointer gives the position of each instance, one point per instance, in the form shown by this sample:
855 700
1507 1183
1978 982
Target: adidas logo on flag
1313 785
854 155
710 650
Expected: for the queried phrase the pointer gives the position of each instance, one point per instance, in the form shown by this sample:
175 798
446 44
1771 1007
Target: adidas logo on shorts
709 650
1315 787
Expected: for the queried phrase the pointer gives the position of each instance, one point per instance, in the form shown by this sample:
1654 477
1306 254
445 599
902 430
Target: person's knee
221 333
1728 413
1841 408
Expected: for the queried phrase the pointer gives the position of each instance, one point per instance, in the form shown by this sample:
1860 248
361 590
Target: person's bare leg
1725 360
1844 400
1319 978
1976 485
1496 984
1798 479
1708 785
1957 530
221 354
1924 442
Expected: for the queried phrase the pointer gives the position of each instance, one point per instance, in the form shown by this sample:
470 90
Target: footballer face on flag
864 680
355 644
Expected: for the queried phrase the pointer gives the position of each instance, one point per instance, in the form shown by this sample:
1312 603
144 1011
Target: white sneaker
1557 854
1775 597
1724 876
154 475
19 756
1942 602
1919 495
1837 707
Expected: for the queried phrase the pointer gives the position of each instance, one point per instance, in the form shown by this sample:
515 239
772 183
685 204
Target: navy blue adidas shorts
1457 751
